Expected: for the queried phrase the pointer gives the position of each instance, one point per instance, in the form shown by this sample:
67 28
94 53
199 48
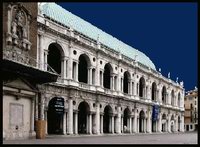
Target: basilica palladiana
82 81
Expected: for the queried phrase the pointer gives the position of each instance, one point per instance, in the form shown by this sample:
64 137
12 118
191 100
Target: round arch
84 64
164 95
55 115
55 54
126 118
153 91
108 70
83 112
142 87
141 121
126 86
107 128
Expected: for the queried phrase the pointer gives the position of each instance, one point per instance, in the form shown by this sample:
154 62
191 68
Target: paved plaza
164 138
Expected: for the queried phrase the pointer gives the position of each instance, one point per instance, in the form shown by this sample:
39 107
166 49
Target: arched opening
107 119
83 111
83 68
179 99
141 87
126 120
179 123
153 91
141 121
172 98
54 57
164 93
55 115
164 123
107 75
126 82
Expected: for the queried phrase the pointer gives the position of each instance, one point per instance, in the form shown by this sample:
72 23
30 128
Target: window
190 126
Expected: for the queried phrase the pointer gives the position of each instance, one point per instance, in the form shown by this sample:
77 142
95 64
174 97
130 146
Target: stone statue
24 32
19 17
168 75
181 83
14 27
159 69
177 80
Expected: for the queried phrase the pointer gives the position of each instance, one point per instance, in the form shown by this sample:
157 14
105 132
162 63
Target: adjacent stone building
19 70
191 110
103 85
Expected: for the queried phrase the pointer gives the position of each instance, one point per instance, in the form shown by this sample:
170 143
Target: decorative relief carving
18 27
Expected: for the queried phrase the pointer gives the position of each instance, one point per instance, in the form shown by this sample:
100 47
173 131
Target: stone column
118 127
45 118
41 52
76 77
102 79
169 124
70 117
135 88
63 68
64 123
160 123
145 125
130 124
97 119
182 124
90 123
149 123
135 122
122 84
32 117
130 87
118 83
45 59
122 124
113 82
138 125
76 122
112 124
101 123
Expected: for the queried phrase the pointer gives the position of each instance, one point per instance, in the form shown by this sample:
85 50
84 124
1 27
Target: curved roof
65 17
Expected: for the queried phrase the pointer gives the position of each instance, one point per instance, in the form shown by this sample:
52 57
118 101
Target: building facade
104 85
191 110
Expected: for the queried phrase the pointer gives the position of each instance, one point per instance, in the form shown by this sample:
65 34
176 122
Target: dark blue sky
165 32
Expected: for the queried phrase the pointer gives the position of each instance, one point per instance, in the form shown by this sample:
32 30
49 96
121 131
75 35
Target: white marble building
107 86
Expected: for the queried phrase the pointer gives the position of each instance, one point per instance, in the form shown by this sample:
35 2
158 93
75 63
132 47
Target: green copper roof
65 17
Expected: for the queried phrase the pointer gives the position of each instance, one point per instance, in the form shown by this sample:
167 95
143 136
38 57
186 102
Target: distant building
191 110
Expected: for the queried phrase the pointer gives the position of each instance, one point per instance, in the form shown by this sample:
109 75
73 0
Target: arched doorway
83 68
142 87
83 112
55 115
54 57
107 124
141 121
153 91
126 82
126 120
107 76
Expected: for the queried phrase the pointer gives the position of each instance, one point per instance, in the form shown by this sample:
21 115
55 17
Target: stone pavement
154 138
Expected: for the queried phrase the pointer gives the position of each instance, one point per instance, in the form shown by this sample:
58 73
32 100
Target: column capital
46 51
64 58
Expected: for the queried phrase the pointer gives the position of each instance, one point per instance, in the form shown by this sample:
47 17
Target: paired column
90 123
160 123
32 116
112 118
149 123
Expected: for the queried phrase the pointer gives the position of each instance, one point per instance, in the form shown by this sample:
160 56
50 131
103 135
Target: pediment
20 84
